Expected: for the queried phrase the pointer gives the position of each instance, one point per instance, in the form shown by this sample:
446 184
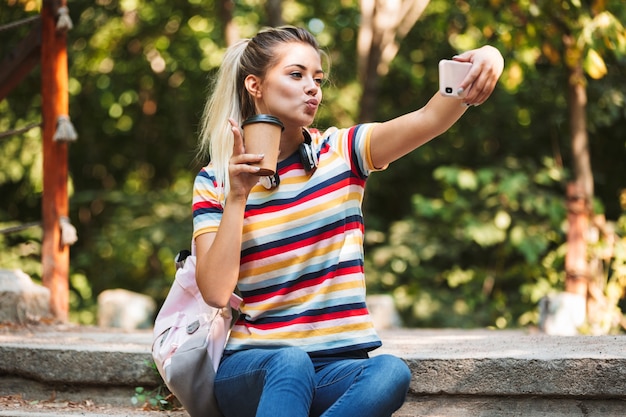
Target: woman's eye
299 75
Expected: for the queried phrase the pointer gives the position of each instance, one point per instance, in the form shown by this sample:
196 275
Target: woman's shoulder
206 174
206 169
327 134
318 134
331 133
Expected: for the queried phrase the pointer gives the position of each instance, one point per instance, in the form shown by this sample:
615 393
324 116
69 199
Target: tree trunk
580 193
384 23
274 11
578 125
231 34
578 216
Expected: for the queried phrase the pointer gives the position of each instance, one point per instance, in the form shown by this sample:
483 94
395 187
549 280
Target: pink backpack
189 339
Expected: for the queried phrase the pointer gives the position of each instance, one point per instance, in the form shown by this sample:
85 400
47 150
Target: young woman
295 251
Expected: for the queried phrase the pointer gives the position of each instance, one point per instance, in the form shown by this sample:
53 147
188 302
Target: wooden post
54 92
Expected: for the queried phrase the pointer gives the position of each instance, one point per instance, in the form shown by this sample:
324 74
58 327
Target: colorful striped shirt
301 275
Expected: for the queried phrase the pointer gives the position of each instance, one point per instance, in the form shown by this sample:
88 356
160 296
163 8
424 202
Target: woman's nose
311 87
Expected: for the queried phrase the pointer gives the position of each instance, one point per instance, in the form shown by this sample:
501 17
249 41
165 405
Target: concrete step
92 371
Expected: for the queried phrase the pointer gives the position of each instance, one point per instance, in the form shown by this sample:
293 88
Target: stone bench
455 372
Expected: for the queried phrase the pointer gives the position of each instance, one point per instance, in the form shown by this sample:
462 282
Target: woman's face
291 89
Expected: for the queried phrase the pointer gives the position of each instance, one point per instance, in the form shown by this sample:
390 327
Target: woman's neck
290 140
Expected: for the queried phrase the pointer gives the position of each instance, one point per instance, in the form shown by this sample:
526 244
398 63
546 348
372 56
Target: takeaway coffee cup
261 135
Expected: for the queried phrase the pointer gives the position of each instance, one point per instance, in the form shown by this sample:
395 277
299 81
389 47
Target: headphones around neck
308 158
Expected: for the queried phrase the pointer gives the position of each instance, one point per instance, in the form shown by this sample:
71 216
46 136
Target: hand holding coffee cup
261 135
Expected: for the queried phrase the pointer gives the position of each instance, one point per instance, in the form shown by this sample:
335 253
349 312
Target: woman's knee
393 371
290 356
291 362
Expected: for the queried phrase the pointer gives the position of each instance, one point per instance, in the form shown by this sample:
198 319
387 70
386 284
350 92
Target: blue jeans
287 382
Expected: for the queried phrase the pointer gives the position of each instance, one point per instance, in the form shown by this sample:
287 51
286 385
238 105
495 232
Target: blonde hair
229 97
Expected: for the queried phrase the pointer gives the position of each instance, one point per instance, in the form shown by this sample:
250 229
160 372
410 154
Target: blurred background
468 231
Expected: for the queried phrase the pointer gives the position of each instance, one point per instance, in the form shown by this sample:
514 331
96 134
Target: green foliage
136 250
21 250
608 255
159 398
478 251
153 399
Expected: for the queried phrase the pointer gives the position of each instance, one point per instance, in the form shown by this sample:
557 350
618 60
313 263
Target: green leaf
594 65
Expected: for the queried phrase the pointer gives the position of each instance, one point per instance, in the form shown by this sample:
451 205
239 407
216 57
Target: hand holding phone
451 74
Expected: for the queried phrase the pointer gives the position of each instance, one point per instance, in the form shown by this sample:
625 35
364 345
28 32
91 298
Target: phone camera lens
449 90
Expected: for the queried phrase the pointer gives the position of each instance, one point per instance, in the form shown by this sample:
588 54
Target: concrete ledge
511 363
519 406
78 356
455 372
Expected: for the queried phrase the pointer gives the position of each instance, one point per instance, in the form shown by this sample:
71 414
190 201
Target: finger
482 87
473 80
246 158
239 169
464 57
487 66
238 146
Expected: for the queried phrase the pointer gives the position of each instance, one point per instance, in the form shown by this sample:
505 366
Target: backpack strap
235 301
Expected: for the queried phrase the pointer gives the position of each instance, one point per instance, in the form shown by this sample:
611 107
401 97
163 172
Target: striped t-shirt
301 275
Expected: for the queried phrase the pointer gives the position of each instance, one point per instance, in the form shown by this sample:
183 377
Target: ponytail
216 136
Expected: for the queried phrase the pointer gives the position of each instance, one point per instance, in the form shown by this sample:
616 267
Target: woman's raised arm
397 137
218 254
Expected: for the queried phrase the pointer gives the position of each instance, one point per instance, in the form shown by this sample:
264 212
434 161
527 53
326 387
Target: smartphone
451 74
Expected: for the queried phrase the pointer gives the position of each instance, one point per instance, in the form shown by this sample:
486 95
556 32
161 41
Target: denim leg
265 383
374 387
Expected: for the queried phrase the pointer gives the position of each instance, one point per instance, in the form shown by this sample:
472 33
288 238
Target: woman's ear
253 85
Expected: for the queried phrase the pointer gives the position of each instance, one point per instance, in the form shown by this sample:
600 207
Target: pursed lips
312 103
